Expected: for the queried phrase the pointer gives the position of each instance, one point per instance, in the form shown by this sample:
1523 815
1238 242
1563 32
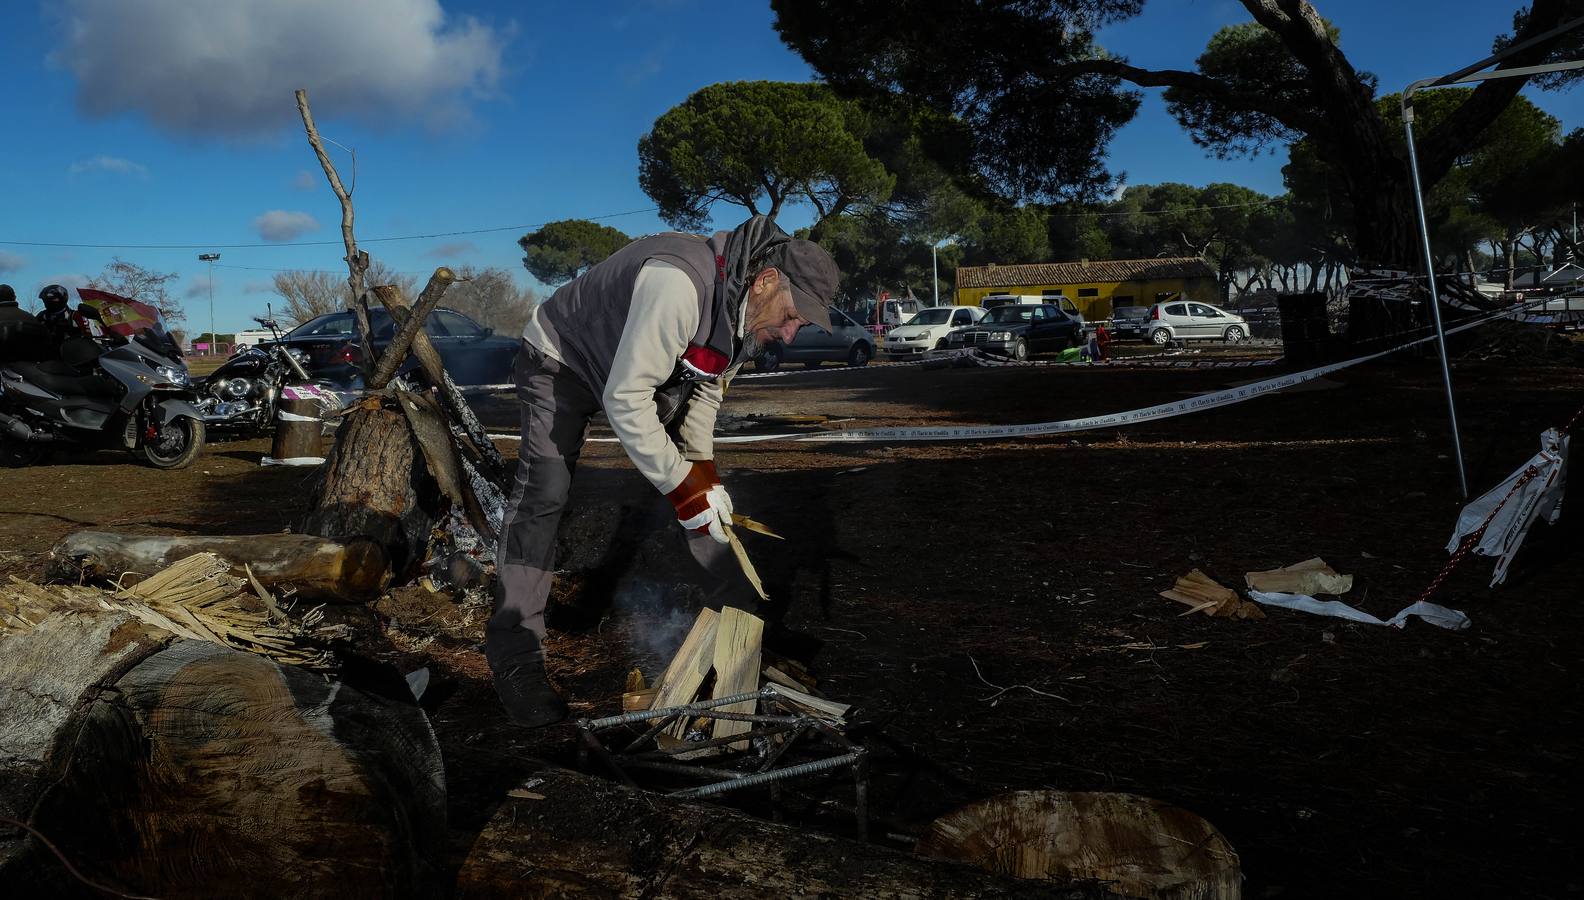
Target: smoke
659 617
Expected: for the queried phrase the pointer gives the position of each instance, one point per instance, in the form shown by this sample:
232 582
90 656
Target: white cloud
113 164
11 262
305 180
281 225
230 68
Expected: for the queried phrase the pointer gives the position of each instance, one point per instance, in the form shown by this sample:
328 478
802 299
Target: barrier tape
1213 400
285 416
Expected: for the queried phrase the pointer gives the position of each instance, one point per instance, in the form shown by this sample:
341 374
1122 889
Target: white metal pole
1435 301
935 270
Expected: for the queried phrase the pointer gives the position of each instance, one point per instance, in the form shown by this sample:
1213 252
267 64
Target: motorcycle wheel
175 446
18 455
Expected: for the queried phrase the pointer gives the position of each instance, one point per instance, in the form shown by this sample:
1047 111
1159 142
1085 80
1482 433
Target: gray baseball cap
813 275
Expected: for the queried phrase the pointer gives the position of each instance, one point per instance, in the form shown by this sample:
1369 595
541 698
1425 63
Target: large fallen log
592 838
177 768
319 568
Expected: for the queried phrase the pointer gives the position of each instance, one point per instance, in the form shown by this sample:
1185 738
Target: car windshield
931 317
1002 315
340 324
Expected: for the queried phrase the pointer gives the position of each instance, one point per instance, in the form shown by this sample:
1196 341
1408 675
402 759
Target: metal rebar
683 769
690 746
688 708
748 781
593 744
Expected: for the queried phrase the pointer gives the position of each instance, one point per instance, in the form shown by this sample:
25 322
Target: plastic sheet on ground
1435 614
1537 496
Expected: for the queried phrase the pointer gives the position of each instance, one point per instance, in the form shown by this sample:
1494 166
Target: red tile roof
1104 270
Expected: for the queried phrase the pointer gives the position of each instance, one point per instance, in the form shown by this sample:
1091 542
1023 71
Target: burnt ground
1339 759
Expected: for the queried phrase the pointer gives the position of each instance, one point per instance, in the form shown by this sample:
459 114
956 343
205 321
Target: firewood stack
721 657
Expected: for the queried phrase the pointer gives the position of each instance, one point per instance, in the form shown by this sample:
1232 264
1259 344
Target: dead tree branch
396 353
357 261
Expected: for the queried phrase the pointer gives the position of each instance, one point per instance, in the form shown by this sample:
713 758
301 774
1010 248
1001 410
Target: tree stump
377 485
298 430
1137 846
202 771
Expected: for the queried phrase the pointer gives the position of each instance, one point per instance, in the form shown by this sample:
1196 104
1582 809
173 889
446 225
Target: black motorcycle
131 393
240 397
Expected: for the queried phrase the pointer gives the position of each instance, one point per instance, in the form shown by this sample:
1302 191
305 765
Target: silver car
1189 320
846 342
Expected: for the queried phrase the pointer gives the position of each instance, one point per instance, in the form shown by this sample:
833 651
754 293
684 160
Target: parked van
991 301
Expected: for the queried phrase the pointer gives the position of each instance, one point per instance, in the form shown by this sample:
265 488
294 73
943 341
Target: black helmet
7 295
54 297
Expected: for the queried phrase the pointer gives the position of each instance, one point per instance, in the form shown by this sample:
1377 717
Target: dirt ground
920 580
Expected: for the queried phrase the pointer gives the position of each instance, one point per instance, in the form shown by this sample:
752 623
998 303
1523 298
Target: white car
927 330
1185 320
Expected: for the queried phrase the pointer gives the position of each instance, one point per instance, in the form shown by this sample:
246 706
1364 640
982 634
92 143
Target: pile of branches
197 599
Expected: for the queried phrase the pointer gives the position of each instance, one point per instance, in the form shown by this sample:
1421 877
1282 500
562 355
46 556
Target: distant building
1096 287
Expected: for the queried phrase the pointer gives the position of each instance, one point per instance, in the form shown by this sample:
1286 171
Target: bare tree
490 296
308 293
134 282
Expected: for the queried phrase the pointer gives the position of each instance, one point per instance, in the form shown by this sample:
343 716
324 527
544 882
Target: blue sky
171 122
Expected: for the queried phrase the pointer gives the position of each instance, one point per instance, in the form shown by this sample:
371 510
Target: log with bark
1137 846
377 485
177 768
591 838
318 568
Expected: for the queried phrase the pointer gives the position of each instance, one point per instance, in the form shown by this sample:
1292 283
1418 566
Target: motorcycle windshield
131 319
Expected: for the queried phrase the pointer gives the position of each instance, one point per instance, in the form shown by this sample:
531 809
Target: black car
1021 330
327 346
1130 322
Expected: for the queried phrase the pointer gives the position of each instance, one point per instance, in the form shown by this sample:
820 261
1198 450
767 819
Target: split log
592 838
299 432
376 485
319 568
689 667
190 770
492 464
1138 846
736 664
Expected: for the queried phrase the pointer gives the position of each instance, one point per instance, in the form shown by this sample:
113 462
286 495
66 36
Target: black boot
520 681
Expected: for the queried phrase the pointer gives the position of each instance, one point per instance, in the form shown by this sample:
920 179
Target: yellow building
1095 287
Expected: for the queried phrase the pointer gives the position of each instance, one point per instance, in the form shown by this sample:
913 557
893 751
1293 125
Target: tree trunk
592 838
319 568
376 485
187 769
1510 254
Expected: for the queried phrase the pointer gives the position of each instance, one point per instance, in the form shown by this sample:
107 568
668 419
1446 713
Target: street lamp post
210 259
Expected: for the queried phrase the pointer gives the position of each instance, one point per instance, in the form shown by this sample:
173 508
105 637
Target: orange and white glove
702 504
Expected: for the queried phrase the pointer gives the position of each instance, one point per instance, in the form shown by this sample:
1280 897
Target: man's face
772 314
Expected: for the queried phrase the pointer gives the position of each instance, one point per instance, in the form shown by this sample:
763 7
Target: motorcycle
127 389
240 397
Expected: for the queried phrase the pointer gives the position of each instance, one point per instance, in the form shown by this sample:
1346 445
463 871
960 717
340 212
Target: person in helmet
58 318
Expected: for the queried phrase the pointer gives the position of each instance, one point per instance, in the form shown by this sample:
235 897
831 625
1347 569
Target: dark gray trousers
556 408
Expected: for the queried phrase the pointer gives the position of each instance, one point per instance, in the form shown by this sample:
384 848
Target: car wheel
1160 337
1234 335
858 355
1020 350
769 359
940 344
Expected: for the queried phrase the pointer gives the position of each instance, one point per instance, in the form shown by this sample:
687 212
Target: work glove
702 504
